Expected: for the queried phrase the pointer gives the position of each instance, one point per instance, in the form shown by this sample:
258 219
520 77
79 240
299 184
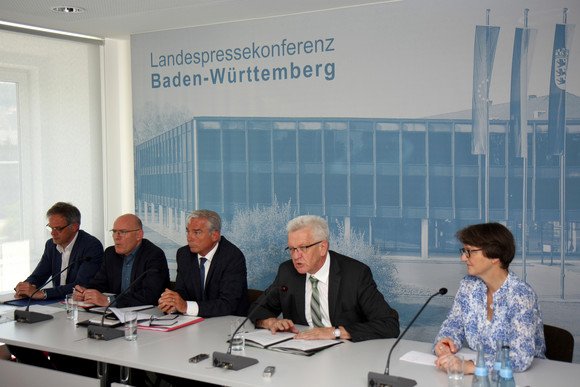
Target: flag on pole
521 64
557 99
483 57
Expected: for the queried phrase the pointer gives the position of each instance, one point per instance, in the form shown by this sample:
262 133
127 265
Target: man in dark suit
67 246
211 272
129 258
335 295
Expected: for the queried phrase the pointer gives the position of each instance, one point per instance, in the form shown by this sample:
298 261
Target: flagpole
488 102
563 192
525 171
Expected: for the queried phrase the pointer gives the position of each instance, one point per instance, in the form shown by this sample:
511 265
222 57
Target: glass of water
72 307
455 370
238 341
131 326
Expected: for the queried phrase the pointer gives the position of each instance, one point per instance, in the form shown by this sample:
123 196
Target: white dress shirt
322 276
192 306
65 257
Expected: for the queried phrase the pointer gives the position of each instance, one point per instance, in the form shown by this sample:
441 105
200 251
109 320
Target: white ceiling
120 18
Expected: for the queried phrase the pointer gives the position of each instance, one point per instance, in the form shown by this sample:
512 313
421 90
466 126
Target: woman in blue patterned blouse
492 303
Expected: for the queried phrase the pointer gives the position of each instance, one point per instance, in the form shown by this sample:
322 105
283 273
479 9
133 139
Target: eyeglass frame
302 249
468 252
122 233
57 229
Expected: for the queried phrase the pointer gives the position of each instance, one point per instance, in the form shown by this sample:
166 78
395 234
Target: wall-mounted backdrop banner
364 115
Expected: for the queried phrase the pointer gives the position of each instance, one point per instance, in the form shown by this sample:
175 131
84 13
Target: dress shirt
128 268
322 276
192 306
65 257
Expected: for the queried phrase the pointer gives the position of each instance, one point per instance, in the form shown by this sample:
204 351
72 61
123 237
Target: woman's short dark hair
494 239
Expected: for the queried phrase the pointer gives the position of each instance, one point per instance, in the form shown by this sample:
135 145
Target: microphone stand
25 316
235 362
385 380
101 332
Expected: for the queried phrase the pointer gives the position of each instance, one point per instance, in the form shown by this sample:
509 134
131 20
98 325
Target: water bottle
506 375
497 363
480 375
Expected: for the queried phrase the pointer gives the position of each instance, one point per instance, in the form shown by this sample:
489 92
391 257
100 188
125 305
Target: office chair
254 294
559 343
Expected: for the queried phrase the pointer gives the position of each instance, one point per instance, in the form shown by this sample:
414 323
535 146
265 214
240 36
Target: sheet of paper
429 359
44 309
120 313
420 358
305 345
264 337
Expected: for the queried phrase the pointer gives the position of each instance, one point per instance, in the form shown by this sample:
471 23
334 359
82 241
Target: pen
78 291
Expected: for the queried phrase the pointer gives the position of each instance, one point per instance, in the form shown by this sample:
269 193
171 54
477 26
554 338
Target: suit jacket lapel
74 255
334 279
214 264
301 294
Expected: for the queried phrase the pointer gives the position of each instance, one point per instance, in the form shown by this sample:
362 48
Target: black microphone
385 380
32 317
101 332
234 362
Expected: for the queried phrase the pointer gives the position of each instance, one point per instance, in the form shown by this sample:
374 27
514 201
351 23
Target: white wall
118 176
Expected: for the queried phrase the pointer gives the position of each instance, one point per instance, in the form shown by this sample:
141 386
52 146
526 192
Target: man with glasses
336 296
68 246
211 272
129 258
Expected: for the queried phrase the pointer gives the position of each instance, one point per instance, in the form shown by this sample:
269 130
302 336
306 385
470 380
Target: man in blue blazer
211 272
333 294
130 257
67 246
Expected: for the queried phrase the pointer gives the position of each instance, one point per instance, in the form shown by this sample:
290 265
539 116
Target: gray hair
317 224
214 222
67 211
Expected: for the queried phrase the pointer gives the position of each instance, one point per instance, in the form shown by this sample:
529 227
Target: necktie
315 304
202 262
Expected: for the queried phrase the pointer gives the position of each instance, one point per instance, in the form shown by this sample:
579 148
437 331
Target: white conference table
168 352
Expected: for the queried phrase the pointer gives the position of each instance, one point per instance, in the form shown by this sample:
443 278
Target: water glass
131 326
72 307
238 341
455 370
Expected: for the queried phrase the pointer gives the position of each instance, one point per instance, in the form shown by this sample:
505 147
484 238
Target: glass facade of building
409 185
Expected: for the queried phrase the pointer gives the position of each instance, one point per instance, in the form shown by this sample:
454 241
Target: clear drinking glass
72 307
455 370
131 326
239 341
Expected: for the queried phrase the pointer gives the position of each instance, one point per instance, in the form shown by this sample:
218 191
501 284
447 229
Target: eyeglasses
122 232
57 229
467 253
302 249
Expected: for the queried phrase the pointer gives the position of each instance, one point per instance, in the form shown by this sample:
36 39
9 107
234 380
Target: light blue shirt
517 320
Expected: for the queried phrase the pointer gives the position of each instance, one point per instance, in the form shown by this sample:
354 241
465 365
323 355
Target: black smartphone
198 358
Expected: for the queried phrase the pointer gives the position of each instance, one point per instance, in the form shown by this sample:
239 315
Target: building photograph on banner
400 123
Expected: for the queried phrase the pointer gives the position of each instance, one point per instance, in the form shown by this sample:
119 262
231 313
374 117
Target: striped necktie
315 304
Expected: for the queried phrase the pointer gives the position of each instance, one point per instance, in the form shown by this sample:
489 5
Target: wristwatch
336 332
